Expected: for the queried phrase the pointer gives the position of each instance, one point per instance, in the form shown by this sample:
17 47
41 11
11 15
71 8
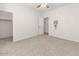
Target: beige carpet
39 46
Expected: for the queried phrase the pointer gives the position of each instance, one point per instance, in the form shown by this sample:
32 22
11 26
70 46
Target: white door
40 26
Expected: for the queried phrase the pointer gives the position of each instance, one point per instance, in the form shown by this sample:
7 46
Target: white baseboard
15 40
65 38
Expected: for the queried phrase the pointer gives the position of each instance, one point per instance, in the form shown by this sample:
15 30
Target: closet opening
6 26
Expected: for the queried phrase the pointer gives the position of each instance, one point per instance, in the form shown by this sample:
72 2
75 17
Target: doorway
46 26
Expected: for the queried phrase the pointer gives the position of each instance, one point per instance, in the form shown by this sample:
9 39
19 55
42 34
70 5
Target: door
46 26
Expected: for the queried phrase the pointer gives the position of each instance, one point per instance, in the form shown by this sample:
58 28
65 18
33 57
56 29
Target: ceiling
51 6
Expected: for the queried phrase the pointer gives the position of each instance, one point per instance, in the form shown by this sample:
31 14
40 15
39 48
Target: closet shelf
5 20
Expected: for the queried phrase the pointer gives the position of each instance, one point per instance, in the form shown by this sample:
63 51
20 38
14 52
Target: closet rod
5 20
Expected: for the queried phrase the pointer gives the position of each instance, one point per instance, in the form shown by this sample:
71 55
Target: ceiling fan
43 5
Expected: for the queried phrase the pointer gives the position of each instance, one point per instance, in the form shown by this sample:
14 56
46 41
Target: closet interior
6 26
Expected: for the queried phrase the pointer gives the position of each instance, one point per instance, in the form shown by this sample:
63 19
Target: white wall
25 21
68 17
2 6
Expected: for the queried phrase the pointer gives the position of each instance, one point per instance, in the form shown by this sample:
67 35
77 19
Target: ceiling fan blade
38 6
47 6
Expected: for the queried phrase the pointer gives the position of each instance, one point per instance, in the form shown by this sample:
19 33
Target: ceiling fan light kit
43 5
